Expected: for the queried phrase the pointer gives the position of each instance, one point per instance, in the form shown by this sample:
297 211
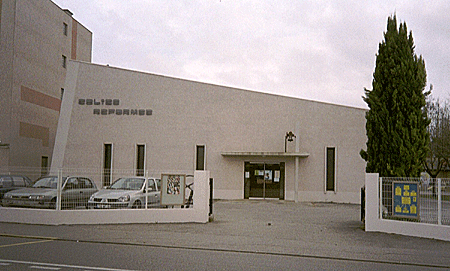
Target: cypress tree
396 123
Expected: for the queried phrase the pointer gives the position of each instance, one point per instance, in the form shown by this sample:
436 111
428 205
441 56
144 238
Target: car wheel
137 205
53 203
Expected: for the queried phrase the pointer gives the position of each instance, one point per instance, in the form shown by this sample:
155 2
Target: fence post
363 203
211 197
146 189
439 202
380 198
59 190
372 201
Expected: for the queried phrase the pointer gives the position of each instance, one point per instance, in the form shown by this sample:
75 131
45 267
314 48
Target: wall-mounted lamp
4 145
289 137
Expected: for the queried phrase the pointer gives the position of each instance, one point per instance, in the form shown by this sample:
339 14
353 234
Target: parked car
75 191
12 182
128 192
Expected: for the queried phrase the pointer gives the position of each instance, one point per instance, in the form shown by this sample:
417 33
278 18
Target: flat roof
267 154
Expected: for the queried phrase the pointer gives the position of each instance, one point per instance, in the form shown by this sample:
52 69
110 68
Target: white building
120 119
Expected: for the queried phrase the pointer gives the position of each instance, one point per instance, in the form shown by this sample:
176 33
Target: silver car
13 182
128 192
75 191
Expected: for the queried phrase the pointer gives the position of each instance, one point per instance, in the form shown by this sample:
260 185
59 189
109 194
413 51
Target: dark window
85 183
200 163
331 162
151 185
44 165
140 160
65 29
107 164
62 93
64 61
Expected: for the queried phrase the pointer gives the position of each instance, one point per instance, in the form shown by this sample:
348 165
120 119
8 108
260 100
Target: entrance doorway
264 180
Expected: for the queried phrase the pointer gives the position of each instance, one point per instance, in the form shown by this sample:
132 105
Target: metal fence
92 189
422 200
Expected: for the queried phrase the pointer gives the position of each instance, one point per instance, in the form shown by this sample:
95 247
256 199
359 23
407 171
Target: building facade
37 39
255 145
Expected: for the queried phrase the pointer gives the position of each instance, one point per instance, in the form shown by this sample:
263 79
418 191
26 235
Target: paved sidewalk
280 227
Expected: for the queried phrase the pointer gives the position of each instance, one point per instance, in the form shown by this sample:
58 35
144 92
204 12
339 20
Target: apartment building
37 39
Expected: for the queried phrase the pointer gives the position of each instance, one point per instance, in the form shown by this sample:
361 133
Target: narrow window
44 165
200 158
65 29
140 160
107 164
331 168
62 93
64 61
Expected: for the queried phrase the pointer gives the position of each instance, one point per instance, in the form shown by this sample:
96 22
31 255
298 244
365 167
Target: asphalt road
245 235
25 254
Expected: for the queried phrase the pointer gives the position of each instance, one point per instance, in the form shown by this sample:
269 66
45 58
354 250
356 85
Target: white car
128 192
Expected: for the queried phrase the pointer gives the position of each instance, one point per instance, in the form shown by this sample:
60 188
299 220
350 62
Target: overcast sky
311 49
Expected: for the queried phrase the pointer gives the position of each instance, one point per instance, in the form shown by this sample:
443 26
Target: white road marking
26 243
44 267
59 266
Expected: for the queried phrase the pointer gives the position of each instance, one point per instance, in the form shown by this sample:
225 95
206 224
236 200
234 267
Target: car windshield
46 182
128 184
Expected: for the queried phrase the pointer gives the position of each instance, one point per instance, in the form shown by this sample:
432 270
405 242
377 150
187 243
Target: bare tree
439 130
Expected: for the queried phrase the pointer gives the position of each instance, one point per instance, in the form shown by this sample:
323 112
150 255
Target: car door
5 185
86 189
158 194
152 194
70 192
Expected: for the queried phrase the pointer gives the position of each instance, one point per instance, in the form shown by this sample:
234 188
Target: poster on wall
268 176
172 189
276 178
405 199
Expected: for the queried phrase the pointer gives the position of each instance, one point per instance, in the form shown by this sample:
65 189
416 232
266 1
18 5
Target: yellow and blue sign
406 199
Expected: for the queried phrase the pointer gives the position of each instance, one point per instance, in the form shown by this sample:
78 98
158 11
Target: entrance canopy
266 154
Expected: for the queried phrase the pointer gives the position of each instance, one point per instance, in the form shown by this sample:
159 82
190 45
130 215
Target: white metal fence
430 205
117 206
384 212
92 189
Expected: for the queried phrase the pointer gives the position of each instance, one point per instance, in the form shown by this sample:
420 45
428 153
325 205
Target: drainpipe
297 149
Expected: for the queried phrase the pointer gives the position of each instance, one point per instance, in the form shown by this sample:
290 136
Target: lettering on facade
113 111
99 102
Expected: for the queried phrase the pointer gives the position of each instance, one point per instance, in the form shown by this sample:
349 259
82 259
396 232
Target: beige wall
187 113
6 58
32 46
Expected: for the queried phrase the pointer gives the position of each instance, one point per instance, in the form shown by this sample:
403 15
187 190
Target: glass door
264 180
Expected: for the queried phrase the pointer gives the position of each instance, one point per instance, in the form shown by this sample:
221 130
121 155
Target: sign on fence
172 189
406 199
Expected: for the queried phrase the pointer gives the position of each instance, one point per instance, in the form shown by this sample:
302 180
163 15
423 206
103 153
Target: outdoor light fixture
4 145
289 137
